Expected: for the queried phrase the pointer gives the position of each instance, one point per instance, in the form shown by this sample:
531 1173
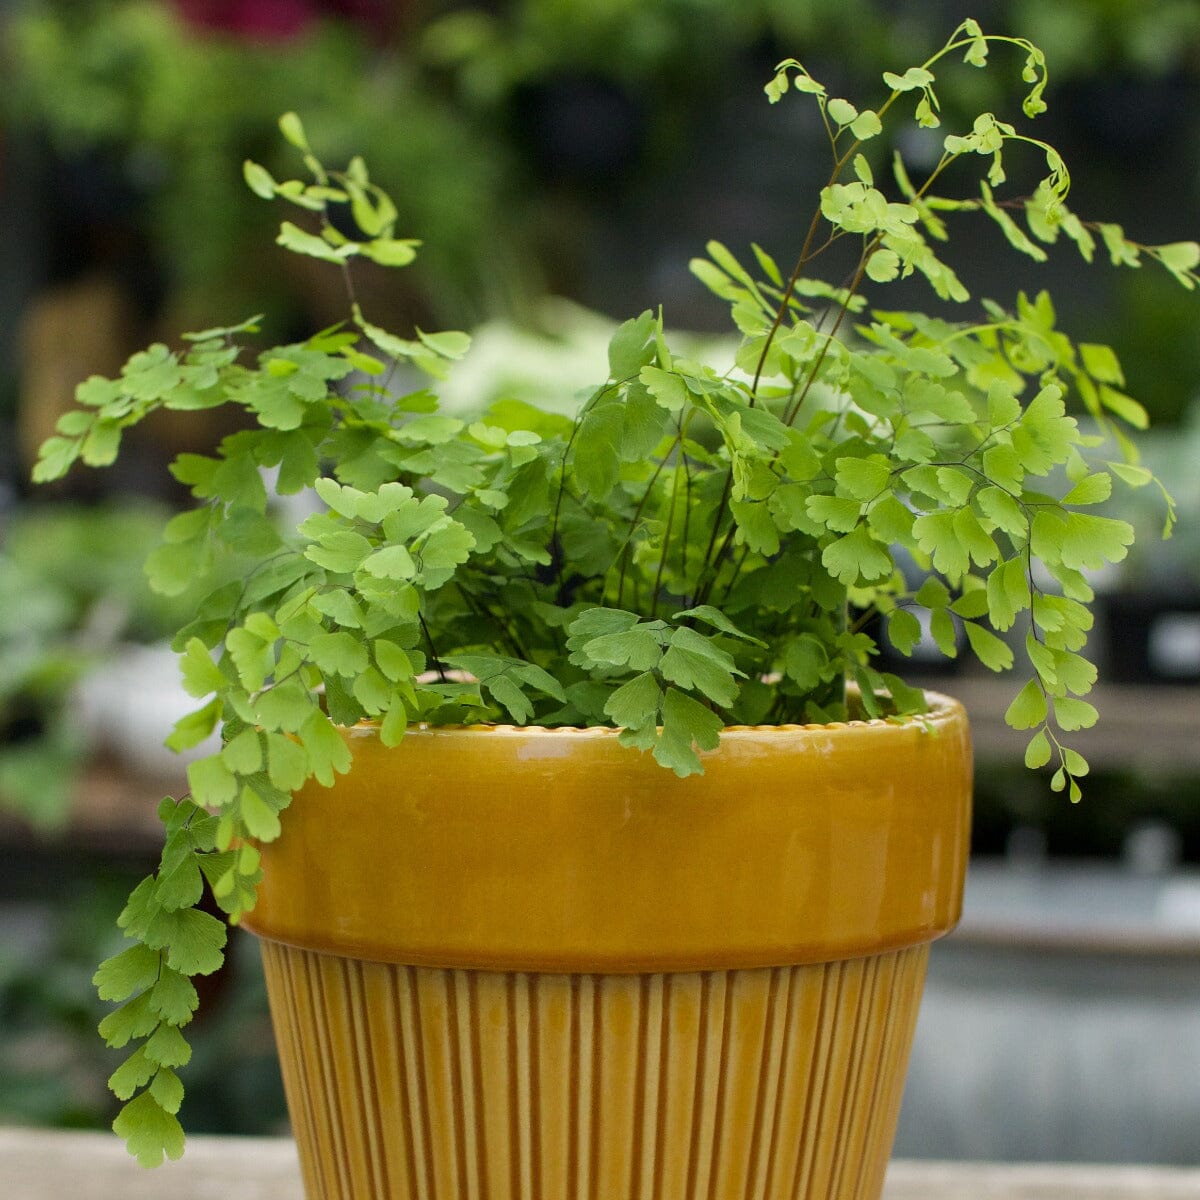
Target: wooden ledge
1139 727
985 1181
44 1165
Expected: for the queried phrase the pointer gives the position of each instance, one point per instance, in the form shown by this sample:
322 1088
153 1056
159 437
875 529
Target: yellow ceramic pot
530 964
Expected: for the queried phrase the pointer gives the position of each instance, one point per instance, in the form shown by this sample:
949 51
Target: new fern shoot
697 547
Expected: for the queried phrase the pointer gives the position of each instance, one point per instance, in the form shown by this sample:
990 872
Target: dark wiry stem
633 524
437 661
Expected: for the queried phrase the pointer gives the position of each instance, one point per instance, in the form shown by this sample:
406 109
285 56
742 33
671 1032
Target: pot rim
501 848
944 711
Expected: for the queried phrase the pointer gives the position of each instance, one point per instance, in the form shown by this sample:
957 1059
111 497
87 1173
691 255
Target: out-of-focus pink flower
260 19
268 20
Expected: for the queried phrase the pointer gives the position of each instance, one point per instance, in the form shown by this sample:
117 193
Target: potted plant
614 857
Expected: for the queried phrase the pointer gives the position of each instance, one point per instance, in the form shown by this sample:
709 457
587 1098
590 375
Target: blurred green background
539 148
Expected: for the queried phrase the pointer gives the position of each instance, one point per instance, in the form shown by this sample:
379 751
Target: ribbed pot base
409 1083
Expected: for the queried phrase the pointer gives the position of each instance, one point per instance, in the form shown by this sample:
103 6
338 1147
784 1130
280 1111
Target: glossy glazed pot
530 964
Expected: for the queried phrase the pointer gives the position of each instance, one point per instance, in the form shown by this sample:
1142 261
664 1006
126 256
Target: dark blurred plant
49 1073
51 1069
71 587
173 110
1152 37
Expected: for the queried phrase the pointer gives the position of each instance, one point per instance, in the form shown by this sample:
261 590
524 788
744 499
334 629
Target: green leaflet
259 816
128 972
903 630
284 707
632 347
372 690
837 513
1037 752
195 941
447 546
863 478
339 653
243 752
635 705
392 660
694 663
181 887
597 450
167 1047
394 722
508 681
688 726
287 763
806 662
989 649
718 620
135 1072
200 674
668 389
857 557
341 551
135 1019
327 752
150 1131
173 998
212 783
638 649
1028 709
167 1090
1071 713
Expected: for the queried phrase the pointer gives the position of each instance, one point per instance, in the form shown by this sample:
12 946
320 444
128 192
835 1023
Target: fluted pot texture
530 964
